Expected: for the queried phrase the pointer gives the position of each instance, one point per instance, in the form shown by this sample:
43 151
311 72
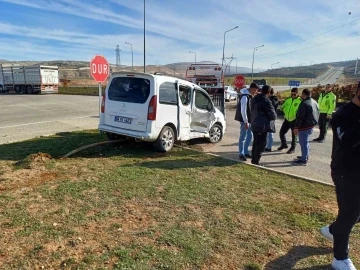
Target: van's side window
185 94
167 93
202 101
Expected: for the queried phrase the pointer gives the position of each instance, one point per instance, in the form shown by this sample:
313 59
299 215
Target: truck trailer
29 79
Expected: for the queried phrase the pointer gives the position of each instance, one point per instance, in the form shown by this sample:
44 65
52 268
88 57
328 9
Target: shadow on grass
62 143
297 254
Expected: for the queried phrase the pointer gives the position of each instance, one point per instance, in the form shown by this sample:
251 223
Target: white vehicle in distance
230 93
158 109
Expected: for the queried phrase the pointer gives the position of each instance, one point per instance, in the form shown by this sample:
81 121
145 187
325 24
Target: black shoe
267 149
255 163
300 162
291 150
248 155
242 158
316 140
321 141
299 157
282 147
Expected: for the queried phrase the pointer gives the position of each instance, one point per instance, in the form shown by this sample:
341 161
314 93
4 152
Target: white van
158 109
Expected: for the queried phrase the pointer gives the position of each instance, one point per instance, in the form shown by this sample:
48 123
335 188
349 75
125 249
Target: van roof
183 81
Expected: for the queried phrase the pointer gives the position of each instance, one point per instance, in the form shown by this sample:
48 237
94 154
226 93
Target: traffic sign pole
99 70
100 99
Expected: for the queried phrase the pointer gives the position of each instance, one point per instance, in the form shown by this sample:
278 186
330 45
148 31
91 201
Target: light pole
252 67
223 58
274 64
132 56
144 41
193 53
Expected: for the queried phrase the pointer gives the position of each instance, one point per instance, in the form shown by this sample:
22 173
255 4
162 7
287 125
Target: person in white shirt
243 115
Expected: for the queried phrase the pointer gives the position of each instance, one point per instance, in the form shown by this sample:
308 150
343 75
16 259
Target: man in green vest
290 108
327 104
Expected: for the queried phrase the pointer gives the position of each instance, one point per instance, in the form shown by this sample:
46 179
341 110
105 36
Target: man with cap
345 173
327 104
290 108
243 115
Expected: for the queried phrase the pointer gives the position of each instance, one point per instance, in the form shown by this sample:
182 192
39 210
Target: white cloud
175 27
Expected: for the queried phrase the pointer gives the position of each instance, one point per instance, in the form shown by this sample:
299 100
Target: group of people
256 112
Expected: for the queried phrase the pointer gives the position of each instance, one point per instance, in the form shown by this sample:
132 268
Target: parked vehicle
29 79
230 93
158 109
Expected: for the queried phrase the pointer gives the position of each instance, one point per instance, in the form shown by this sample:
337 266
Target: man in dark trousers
290 108
345 173
306 118
327 104
243 115
263 117
270 135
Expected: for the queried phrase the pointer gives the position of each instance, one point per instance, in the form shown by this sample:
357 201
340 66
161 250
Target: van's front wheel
166 140
215 133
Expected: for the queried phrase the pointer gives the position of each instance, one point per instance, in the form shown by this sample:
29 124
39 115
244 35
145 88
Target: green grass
124 206
85 90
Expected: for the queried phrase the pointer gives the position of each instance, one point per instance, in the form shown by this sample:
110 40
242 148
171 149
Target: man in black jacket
306 118
345 173
263 117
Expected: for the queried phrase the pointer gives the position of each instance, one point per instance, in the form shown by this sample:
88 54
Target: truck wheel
115 137
165 141
17 89
215 133
2 89
23 89
29 89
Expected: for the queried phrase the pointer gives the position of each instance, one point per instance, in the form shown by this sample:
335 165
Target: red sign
239 81
99 68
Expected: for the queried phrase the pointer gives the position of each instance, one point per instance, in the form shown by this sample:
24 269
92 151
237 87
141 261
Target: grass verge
125 207
80 90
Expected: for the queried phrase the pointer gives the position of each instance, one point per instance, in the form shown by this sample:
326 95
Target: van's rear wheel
215 133
115 137
165 141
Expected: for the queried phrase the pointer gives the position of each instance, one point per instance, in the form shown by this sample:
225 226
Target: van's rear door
127 101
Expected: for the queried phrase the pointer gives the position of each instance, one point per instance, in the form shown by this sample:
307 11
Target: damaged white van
159 109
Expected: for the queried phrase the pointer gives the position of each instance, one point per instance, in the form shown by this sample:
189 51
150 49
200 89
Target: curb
307 179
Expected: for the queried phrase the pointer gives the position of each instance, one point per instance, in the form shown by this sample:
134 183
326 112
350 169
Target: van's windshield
129 89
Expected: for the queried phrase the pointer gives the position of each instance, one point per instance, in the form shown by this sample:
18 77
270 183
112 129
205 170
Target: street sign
99 68
294 83
239 81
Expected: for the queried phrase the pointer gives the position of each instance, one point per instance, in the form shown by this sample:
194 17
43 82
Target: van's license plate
124 120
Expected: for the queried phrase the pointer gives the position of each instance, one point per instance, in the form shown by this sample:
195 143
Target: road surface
25 117
329 77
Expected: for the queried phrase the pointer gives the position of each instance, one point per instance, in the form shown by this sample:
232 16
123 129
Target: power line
358 19
315 45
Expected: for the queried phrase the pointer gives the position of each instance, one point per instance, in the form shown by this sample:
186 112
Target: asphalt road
329 77
25 117
28 116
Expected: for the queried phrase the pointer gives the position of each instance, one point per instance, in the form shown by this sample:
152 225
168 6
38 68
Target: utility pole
118 62
357 60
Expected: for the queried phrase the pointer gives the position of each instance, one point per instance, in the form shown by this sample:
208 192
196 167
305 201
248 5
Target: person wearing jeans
304 140
243 115
306 118
345 173
245 140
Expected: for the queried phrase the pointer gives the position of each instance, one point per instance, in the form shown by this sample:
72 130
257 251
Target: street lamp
223 58
274 64
252 67
144 41
193 53
132 56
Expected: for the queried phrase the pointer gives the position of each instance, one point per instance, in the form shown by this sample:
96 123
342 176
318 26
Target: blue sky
78 29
